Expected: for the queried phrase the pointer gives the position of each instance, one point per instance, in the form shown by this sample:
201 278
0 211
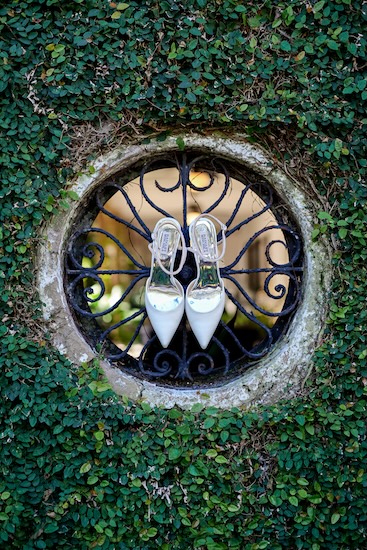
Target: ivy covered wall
79 468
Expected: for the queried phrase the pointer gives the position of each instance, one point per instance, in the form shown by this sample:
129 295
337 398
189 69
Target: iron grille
184 363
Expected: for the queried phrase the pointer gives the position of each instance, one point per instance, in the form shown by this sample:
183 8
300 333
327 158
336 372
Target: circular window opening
108 263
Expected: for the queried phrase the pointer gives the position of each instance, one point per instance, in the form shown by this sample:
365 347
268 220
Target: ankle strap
195 248
156 252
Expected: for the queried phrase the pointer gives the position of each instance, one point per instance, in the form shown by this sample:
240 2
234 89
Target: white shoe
164 295
205 296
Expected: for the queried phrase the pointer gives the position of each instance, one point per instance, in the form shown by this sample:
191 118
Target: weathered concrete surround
281 373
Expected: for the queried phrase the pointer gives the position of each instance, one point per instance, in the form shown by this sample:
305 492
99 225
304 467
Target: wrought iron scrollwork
184 362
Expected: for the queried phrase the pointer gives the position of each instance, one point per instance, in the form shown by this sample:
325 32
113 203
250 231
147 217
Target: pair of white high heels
165 299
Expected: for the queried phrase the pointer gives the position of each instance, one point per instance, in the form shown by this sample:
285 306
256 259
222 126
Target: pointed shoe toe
204 313
165 313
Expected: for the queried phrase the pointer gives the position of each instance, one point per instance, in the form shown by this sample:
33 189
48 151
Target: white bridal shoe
205 295
164 295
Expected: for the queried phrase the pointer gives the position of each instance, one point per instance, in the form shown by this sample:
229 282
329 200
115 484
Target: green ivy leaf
84 468
220 459
293 500
285 46
300 420
209 423
318 6
92 480
310 429
302 481
211 453
174 453
194 471
335 518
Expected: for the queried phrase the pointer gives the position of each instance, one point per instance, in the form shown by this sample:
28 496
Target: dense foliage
82 470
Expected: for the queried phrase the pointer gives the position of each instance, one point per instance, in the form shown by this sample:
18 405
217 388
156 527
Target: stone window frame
280 374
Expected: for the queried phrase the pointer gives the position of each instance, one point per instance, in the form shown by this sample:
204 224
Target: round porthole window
190 272
112 270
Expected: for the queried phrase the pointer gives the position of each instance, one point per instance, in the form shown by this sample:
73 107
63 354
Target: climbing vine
83 469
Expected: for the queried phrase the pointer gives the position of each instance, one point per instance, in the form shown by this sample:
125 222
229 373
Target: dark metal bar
146 233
